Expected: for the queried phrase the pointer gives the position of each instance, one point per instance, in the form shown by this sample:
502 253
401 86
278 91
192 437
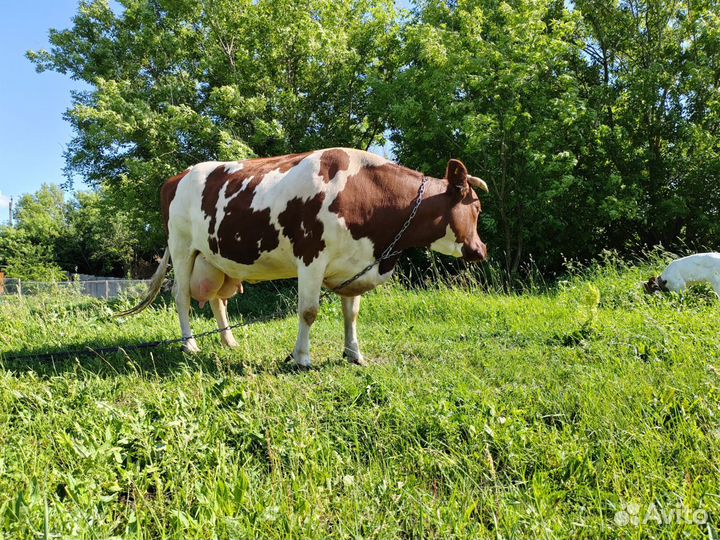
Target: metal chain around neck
389 253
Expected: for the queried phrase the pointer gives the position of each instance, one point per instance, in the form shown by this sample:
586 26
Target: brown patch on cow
244 233
167 194
309 315
463 222
301 225
333 161
465 213
377 201
210 195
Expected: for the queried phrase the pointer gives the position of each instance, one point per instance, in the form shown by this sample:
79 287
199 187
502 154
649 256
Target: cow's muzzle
476 251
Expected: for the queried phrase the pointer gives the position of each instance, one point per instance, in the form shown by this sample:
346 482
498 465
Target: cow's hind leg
183 260
351 308
230 288
219 309
310 280
210 284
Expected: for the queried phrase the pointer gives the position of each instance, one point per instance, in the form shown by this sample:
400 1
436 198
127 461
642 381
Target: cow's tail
153 288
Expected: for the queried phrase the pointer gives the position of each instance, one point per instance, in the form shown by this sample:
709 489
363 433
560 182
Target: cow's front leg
350 308
310 280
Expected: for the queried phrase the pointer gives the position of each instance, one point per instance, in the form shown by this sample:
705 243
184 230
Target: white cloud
4 201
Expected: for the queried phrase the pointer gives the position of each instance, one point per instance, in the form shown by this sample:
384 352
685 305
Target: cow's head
461 239
655 284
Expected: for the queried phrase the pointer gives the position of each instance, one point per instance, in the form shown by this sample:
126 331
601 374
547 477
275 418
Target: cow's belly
276 264
361 285
344 263
342 259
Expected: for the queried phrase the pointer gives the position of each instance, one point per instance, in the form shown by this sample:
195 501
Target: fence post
19 287
107 289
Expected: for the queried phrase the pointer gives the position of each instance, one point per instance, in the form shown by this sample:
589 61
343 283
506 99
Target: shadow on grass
161 362
259 304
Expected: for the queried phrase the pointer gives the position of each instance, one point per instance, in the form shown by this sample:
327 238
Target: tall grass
580 408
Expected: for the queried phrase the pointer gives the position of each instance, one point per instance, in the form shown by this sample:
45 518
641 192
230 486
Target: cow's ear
457 176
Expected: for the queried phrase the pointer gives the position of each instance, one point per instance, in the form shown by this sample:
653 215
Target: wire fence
97 288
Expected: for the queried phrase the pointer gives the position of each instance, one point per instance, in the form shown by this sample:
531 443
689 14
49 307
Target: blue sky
34 134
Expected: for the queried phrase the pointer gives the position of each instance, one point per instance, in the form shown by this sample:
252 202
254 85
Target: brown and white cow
319 216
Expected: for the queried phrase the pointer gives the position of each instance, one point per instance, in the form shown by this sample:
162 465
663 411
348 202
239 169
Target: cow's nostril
475 251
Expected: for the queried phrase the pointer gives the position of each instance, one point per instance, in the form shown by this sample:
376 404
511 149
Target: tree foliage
100 238
178 82
655 82
595 124
492 85
22 258
28 251
53 237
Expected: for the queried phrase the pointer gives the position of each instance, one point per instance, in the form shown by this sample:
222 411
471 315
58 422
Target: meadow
584 409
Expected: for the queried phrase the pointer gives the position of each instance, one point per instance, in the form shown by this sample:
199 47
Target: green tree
493 84
53 237
178 82
25 259
29 250
595 123
655 69
41 215
100 238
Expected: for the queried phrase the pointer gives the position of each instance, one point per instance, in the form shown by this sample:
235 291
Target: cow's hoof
230 343
355 358
190 346
300 360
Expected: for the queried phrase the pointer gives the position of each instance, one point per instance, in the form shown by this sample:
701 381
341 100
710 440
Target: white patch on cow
278 188
232 168
448 244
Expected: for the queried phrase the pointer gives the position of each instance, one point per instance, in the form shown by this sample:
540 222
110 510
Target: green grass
482 415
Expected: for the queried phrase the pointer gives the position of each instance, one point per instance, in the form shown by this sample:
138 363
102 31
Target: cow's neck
430 223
